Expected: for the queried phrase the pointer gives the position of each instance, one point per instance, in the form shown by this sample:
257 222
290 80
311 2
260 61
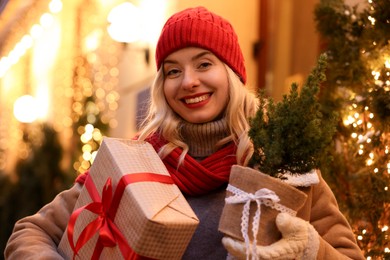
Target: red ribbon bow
106 208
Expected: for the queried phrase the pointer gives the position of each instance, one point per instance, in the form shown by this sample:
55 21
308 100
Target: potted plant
290 138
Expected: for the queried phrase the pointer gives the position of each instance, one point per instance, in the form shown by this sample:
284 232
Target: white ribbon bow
260 197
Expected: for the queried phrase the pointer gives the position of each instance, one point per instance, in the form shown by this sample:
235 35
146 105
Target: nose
190 79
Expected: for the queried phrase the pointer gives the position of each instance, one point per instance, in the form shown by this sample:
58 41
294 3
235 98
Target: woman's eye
172 72
204 65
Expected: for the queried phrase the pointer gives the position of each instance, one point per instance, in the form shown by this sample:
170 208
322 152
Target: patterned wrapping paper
153 217
252 183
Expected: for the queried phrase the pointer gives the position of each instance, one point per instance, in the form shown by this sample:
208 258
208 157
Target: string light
26 109
387 65
372 20
27 41
55 6
99 111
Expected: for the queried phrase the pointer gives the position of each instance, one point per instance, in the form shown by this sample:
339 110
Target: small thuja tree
292 135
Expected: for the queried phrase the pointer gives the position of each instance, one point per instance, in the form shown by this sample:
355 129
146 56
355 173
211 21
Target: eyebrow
197 56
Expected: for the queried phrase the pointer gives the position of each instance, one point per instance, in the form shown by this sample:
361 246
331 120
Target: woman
198 123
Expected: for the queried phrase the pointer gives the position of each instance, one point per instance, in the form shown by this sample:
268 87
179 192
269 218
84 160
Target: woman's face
196 84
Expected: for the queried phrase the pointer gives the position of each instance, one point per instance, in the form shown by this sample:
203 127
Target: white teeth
196 99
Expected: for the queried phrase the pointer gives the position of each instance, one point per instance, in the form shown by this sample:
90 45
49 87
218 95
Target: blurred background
74 71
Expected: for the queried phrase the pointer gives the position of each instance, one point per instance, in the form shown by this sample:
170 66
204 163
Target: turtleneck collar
202 138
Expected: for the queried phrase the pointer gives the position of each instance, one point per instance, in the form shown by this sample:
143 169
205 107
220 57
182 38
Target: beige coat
337 240
37 236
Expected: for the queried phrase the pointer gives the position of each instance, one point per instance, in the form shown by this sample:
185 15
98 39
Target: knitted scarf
198 177
193 177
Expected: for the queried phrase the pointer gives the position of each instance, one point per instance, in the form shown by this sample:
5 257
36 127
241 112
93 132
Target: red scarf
194 177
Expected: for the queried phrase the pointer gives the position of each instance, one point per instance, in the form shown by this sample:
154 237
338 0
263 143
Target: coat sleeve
337 240
38 236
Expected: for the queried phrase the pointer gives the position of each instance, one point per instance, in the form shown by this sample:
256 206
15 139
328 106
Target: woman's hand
299 241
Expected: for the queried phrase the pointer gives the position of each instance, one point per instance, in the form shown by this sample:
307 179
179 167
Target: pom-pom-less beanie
198 27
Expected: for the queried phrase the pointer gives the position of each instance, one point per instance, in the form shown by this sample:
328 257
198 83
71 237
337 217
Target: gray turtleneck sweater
206 242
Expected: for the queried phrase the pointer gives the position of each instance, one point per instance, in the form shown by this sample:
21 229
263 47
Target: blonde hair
163 120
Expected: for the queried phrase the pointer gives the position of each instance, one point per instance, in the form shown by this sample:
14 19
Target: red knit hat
198 27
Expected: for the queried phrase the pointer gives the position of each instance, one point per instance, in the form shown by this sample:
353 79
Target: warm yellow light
87 156
369 162
4 66
92 41
42 98
46 20
86 137
19 49
89 128
387 64
55 6
26 42
26 109
350 120
371 19
153 14
36 31
13 57
87 148
125 23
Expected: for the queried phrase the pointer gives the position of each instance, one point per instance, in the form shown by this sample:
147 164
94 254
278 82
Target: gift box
254 199
128 208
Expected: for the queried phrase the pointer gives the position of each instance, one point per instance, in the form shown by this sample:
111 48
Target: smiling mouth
196 99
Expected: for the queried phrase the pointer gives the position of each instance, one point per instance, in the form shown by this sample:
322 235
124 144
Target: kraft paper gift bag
249 188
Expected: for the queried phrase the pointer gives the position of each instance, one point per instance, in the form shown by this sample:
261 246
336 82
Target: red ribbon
106 208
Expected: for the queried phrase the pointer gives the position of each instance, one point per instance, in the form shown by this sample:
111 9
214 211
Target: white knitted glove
299 241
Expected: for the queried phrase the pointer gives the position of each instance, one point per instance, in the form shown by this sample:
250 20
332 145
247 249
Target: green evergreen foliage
292 135
37 179
357 39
